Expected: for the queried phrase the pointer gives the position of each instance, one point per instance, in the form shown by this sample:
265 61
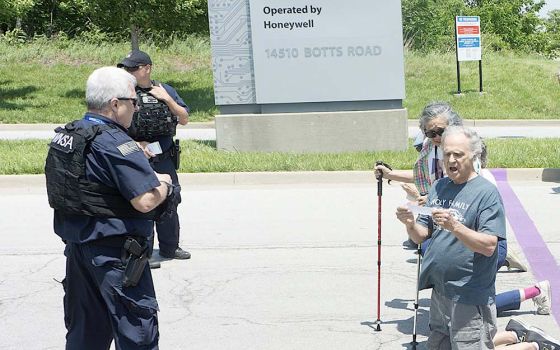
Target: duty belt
117 241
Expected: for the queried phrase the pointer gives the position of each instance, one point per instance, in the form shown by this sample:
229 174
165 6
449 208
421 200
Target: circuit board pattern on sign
232 57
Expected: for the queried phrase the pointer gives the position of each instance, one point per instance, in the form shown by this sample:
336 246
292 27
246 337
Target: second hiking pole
379 177
414 343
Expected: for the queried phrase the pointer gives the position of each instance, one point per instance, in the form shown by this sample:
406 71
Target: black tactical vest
67 188
153 119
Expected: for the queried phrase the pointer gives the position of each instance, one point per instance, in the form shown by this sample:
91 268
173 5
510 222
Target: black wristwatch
169 187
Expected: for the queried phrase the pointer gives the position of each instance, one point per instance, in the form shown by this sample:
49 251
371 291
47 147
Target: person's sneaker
545 341
514 262
177 254
520 328
543 300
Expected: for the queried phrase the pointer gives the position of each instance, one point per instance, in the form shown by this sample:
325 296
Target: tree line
102 20
428 25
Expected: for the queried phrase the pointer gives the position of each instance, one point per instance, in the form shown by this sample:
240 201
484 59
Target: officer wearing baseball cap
160 110
135 59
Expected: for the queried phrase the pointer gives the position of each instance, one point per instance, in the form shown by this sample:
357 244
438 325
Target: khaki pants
460 326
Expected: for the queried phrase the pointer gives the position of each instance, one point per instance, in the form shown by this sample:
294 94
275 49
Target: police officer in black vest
106 197
161 109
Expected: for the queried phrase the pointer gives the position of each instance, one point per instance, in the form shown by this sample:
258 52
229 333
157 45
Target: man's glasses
433 133
133 99
133 69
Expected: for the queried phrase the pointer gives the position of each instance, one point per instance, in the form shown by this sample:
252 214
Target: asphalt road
280 261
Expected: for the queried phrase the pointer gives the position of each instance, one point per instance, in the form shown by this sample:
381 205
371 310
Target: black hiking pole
414 343
379 177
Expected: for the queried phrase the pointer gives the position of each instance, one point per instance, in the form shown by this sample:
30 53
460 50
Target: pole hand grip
379 176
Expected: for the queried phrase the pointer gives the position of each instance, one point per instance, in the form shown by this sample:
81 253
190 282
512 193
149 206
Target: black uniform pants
168 229
97 309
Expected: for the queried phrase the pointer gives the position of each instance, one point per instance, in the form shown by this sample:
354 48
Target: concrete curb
282 178
502 122
411 123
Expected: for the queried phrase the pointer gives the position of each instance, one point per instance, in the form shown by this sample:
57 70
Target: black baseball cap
135 58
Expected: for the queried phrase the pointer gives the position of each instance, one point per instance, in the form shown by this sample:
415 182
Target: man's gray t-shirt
449 267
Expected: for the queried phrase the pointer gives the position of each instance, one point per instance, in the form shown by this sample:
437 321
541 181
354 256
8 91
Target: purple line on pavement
543 264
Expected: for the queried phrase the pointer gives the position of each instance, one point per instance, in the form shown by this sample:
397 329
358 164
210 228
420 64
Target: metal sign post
480 75
458 66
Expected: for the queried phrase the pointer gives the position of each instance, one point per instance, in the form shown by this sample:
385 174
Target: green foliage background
428 25
99 20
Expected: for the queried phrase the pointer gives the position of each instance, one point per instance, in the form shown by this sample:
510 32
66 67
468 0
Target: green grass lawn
28 157
43 82
515 87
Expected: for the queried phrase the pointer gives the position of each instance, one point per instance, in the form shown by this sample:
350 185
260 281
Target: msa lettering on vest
64 141
68 189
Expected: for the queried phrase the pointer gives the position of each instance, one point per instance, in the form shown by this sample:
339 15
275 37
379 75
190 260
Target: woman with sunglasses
428 168
433 120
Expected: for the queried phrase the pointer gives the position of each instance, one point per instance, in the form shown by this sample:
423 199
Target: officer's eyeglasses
133 99
434 132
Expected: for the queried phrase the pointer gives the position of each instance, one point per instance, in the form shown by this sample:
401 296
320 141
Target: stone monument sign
308 76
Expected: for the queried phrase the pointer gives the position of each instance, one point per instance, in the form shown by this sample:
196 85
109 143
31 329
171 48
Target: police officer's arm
151 199
159 92
478 242
418 233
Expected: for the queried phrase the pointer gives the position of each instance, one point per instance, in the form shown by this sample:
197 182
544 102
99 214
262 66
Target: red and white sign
468 30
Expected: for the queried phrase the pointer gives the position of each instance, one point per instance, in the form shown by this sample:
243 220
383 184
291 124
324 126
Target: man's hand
445 219
160 93
151 199
411 191
382 169
422 200
405 216
479 242
144 146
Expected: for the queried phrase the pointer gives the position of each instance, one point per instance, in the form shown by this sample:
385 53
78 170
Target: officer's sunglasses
434 132
133 99
133 69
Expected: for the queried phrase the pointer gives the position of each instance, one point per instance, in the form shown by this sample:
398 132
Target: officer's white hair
106 83
475 142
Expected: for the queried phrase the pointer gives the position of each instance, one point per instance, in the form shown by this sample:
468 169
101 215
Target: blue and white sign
468 38
469 42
